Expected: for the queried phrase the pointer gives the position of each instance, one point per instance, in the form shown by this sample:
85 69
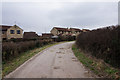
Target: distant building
85 30
30 35
47 35
75 31
56 31
9 32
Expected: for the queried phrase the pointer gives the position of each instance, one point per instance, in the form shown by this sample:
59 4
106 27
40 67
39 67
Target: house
85 30
75 31
56 31
9 32
47 35
30 35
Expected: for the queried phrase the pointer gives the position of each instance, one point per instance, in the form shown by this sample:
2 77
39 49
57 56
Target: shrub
13 49
65 38
102 43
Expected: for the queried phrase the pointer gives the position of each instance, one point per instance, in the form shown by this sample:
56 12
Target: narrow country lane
57 61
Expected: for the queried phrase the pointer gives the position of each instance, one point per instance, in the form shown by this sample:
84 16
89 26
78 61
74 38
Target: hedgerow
12 49
103 43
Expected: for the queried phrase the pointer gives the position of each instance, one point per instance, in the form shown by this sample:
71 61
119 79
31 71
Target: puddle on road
57 67
58 52
60 57
61 48
74 59
63 53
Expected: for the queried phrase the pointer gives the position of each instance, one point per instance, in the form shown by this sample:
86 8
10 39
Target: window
3 32
12 31
18 31
3 38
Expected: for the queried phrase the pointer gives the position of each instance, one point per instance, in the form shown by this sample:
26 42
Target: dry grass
98 66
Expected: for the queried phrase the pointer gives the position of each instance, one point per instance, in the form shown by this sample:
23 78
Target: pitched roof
4 27
66 29
85 30
76 29
61 29
30 35
46 34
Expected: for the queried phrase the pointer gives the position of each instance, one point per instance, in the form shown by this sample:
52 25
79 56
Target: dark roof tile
4 27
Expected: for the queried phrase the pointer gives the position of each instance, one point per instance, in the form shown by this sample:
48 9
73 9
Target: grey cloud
41 17
87 14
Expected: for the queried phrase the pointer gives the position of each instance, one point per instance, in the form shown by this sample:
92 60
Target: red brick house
30 35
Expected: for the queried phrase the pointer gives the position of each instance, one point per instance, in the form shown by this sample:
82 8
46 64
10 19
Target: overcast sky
43 16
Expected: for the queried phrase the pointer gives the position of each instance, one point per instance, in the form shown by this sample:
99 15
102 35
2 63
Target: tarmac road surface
57 61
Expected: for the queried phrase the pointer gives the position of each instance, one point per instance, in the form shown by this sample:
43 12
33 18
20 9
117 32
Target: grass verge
17 61
99 67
